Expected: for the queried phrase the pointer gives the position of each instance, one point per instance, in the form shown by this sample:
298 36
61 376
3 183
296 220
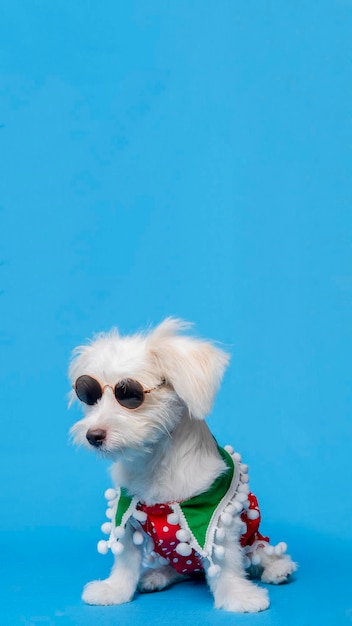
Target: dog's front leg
232 591
122 582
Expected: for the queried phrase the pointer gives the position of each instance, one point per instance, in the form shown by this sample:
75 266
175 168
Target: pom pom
237 457
229 449
269 550
173 518
117 548
112 503
184 549
106 528
244 468
243 488
213 571
219 552
183 534
281 548
102 547
138 538
246 504
244 478
237 506
246 562
226 519
220 534
140 516
230 509
109 513
119 532
256 559
252 514
241 497
110 494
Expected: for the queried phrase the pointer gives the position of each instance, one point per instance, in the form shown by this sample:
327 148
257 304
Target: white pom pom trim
238 507
183 534
102 546
252 514
140 516
256 559
229 449
246 562
173 519
184 549
220 534
106 528
110 494
241 497
281 548
219 552
109 513
138 538
226 519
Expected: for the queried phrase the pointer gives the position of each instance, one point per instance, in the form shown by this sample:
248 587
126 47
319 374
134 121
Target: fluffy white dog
181 504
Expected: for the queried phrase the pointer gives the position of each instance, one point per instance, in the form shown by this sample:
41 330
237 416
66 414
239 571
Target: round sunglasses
128 392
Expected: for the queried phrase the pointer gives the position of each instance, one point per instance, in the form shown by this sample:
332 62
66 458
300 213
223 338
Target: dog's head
135 389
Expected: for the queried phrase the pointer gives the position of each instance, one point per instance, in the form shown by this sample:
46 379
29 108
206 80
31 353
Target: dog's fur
164 452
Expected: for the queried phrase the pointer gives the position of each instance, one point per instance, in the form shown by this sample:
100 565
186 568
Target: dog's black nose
96 436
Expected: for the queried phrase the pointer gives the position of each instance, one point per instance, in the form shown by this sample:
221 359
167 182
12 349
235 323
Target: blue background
193 159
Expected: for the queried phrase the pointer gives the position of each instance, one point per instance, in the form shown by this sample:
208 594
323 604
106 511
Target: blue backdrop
189 159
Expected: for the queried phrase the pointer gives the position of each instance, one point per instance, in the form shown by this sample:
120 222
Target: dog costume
185 533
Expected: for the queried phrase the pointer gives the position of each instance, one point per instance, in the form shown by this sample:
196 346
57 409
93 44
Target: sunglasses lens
88 389
129 393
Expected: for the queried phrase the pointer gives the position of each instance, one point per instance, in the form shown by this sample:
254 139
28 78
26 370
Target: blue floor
44 571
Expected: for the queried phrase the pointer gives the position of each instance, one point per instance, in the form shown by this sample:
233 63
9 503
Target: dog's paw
246 599
105 592
158 579
278 571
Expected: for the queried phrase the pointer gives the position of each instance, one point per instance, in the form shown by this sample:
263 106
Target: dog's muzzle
96 437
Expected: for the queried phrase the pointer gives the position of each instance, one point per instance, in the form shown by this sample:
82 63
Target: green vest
200 514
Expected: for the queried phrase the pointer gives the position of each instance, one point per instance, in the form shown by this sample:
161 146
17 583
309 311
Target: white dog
181 504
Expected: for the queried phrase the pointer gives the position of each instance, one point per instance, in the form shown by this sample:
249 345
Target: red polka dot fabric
165 541
163 534
252 534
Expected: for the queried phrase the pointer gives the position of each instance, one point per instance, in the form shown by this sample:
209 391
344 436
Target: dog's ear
193 367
